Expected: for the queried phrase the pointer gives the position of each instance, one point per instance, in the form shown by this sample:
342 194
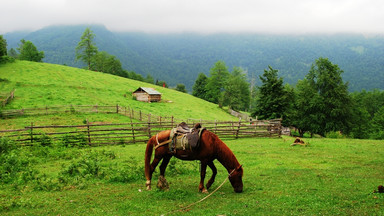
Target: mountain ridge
180 57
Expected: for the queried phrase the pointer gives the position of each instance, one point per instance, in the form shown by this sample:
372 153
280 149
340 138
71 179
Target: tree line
318 104
26 51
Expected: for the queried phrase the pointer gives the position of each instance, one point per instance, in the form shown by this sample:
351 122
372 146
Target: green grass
330 177
42 84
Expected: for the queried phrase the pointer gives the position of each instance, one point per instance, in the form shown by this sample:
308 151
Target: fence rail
107 109
127 133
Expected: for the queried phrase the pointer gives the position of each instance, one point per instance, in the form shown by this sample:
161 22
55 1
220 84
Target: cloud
279 16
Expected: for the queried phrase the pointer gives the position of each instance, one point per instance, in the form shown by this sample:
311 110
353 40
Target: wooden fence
126 111
5 99
126 133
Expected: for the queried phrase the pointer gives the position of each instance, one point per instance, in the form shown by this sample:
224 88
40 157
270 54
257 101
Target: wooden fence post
89 134
215 126
133 132
117 108
149 126
141 119
31 133
238 129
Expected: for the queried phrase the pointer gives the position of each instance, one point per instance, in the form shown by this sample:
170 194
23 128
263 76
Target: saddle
185 138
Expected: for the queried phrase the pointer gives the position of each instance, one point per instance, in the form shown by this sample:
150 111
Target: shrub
43 140
130 171
335 135
14 167
88 166
78 140
6 145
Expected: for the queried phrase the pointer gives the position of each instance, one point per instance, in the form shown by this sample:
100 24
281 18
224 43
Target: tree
216 83
29 52
328 105
3 46
378 124
149 79
237 92
199 88
181 87
366 106
12 53
3 50
86 49
305 117
272 102
107 63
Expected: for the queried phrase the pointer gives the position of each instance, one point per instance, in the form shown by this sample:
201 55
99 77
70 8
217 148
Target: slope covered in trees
179 58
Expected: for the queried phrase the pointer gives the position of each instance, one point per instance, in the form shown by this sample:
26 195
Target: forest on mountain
179 58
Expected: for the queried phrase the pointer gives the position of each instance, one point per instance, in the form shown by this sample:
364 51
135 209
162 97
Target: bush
6 145
78 140
335 135
131 171
89 165
6 59
14 168
44 140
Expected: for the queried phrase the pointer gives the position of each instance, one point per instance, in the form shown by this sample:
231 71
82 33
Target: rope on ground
204 198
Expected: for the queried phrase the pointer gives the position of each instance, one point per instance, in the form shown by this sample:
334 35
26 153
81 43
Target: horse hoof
204 191
148 184
162 183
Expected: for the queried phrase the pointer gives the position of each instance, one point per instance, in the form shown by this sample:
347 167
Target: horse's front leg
162 183
214 172
202 177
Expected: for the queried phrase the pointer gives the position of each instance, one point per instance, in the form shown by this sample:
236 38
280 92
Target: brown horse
211 148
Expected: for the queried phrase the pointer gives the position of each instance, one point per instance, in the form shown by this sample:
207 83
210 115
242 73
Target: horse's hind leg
203 170
214 172
162 183
154 164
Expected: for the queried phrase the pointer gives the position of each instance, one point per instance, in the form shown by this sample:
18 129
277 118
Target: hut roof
150 91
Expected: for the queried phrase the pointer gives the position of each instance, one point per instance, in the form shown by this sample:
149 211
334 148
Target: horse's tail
148 155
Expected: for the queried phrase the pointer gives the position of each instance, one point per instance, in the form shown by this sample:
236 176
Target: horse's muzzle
239 190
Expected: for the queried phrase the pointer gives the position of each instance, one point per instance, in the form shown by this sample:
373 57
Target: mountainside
178 58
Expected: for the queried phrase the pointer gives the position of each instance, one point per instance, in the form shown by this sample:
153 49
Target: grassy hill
42 84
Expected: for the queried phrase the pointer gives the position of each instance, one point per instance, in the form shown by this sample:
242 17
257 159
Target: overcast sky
205 16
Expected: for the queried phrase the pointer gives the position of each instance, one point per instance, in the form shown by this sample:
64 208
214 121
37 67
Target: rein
204 198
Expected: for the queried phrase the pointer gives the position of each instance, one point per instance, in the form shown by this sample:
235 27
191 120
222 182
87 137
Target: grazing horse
210 148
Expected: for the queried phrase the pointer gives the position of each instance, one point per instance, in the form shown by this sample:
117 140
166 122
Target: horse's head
236 179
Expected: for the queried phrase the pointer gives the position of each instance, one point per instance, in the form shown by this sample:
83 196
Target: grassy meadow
329 177
42 84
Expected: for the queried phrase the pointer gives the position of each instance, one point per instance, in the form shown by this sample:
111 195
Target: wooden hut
147 94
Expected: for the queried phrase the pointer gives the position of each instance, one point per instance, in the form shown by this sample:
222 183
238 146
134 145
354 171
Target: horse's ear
197 126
